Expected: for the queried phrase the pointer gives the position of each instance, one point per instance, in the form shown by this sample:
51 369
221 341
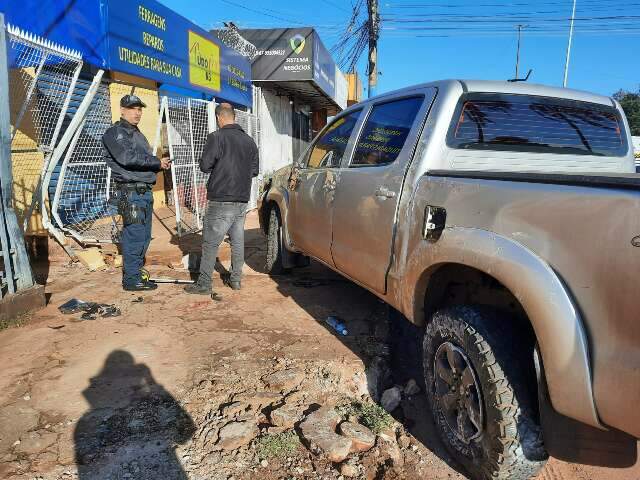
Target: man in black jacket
134 168
231 157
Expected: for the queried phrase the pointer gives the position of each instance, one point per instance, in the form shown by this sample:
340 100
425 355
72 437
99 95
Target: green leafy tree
631 105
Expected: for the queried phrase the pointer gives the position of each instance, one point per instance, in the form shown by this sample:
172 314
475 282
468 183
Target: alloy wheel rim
458 392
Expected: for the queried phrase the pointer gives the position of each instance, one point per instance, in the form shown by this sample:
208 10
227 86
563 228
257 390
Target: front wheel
274 264
480 394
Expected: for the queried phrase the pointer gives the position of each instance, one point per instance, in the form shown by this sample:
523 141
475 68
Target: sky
427 40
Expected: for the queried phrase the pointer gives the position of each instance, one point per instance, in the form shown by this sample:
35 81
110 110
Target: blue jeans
136 237
222 218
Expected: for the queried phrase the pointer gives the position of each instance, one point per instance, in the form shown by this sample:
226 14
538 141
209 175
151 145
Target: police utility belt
139 187
133 213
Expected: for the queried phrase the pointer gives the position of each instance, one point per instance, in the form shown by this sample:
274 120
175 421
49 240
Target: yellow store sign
204 62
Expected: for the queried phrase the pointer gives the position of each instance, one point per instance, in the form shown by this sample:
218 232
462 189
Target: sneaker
141 286
197 289
235 285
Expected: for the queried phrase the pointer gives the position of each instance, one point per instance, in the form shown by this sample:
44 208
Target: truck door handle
384 192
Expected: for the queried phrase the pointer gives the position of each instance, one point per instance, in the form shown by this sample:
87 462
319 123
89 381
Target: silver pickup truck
504 219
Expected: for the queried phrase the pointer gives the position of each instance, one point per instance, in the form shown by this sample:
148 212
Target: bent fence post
18 270
59 150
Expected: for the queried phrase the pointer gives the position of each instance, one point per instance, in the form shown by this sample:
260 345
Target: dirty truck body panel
585 312
544 220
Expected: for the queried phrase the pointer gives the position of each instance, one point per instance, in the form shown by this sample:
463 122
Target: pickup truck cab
503 218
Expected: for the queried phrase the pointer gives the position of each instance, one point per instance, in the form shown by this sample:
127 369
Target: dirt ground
179 387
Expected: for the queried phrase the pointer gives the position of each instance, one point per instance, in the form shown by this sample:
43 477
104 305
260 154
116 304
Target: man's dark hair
226 110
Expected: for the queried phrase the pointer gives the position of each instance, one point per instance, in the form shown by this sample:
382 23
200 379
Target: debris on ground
337 324
91 258
91 310
72 306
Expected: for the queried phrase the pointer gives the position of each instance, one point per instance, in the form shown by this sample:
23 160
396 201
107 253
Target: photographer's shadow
133 425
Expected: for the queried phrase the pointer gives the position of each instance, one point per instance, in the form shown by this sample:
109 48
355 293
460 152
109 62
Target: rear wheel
479 391
274 265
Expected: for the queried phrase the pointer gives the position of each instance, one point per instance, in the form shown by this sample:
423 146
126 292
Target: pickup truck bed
587 228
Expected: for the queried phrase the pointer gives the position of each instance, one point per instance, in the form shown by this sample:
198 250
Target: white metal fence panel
81 201
250 124
188 122
42 81
187 129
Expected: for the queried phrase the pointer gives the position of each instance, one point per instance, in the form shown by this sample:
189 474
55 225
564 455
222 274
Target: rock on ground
348 470
389 449
237 434
391 399
285 417
284 380
259 400
362 438
411 388
319 430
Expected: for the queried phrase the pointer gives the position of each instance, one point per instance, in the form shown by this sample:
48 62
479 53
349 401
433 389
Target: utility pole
520 27
566 63
374 33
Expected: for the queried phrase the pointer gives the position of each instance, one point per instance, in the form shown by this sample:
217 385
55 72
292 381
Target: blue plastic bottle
337 325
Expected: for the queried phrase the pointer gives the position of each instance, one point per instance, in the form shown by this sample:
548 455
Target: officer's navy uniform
133 168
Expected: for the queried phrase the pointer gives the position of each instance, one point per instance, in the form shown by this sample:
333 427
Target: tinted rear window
526 123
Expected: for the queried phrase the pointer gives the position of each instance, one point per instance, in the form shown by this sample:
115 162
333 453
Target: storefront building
299 87
145 49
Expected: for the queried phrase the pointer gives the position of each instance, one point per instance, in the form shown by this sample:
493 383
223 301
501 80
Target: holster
131 213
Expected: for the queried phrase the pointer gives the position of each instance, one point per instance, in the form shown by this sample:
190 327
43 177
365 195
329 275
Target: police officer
133 168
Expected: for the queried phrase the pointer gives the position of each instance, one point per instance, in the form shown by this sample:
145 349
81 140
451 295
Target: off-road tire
509 445
274 264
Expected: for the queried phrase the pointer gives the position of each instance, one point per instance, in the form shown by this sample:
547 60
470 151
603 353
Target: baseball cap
129 101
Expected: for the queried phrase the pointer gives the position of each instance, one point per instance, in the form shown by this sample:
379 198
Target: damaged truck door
367 197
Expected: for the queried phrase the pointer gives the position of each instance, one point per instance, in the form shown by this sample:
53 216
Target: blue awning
142 38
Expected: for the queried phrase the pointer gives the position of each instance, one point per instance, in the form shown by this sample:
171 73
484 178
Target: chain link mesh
42 76
187 129
188 123
81 203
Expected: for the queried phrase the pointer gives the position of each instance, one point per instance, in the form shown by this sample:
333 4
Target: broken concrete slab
28 300
319 431
237 434
91 258
363 439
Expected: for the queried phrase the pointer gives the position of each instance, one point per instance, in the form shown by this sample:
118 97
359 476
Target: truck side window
330 147
386 131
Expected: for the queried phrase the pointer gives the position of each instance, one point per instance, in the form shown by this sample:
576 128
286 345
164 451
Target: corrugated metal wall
276 146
